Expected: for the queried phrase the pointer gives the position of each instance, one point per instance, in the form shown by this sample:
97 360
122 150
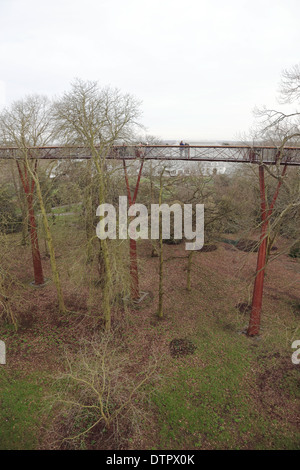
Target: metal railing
218 153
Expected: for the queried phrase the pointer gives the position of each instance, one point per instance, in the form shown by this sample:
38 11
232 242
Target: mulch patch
181 347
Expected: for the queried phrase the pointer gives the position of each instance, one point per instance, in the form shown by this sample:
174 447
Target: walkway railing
219 153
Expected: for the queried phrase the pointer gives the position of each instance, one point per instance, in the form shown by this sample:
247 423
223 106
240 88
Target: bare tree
28 124
279 129
97 118
290 85
16 129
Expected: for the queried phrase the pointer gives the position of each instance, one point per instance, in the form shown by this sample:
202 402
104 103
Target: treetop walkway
207 153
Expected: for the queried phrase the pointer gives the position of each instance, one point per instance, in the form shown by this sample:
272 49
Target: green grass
206 402
75 207
291 383
212 406
20 411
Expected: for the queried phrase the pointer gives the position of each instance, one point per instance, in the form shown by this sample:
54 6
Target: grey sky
199 66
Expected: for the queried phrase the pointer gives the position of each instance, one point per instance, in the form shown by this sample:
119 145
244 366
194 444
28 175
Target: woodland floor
217 388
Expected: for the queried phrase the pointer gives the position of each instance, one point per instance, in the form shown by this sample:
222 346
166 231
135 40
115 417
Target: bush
98 397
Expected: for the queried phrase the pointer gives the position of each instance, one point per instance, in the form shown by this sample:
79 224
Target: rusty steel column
254 324
36 255
135 291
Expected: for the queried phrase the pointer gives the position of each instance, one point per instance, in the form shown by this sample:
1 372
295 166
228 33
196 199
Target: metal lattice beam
206 153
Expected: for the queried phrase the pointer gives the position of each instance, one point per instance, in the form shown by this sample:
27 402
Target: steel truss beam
197 153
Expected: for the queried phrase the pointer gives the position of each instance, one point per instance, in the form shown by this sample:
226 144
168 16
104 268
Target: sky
199 67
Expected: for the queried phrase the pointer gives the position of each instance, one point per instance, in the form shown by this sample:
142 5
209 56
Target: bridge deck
206 153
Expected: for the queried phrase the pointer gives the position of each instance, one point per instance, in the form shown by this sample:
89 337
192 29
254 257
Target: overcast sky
198 66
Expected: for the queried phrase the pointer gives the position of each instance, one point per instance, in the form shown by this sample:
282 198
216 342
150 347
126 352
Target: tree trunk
36 255
257 298
88 212
55 273
28 186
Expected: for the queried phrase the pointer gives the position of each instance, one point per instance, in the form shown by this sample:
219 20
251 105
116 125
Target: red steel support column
135 292
36 256
254 324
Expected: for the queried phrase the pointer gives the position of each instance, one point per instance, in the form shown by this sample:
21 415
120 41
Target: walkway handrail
218 153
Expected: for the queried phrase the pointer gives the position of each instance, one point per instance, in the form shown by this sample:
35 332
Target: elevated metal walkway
197 153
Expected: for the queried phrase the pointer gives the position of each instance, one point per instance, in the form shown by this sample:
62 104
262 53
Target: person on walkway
181 148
